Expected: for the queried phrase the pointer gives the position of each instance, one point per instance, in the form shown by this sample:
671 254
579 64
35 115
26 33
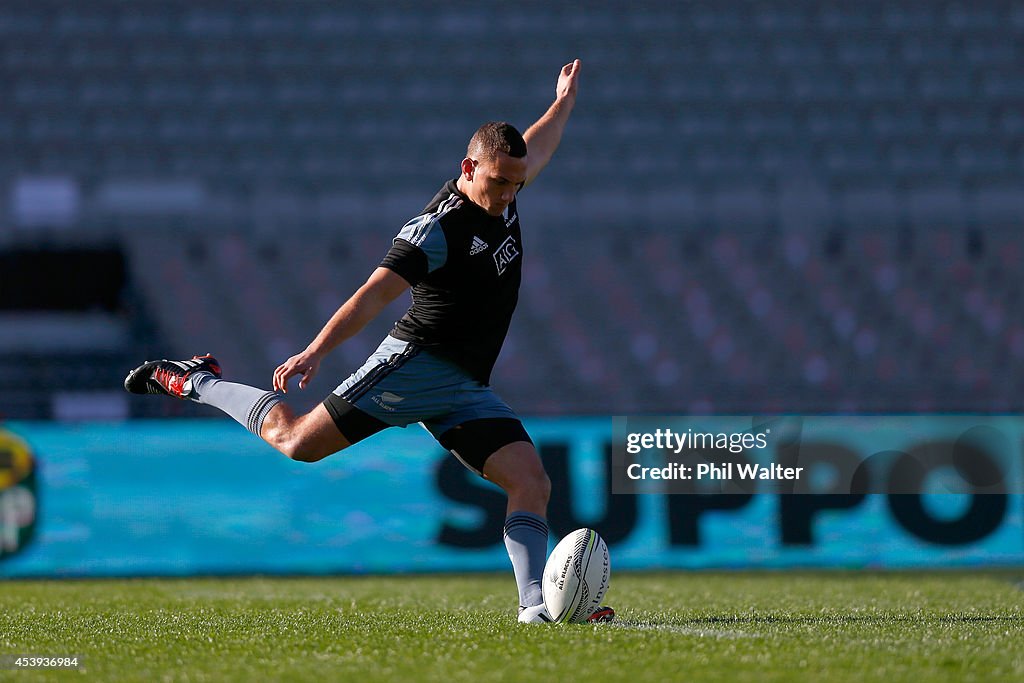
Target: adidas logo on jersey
478 246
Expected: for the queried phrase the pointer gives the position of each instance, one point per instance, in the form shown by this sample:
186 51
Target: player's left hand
306 364
567 80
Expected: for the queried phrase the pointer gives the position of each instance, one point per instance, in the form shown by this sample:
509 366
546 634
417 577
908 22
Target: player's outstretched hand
568 77
305 364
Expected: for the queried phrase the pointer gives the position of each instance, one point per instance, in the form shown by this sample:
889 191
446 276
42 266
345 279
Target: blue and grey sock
249 406
526 539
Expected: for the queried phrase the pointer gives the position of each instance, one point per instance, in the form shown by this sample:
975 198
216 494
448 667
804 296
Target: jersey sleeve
418 250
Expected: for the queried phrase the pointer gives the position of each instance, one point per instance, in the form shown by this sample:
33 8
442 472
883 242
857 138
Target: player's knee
302 453
289 440
531 482
542 485
532 494
298 438
307 450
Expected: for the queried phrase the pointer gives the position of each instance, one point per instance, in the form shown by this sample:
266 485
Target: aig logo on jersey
506 254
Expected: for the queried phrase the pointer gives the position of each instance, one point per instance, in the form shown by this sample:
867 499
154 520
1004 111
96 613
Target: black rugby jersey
465 267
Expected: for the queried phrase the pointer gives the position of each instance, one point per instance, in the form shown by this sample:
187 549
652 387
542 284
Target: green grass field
679 626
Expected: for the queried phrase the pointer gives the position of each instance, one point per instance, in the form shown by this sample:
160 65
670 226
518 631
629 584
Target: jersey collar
453 187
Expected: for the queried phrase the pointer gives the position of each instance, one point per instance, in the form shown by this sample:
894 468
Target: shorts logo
385 400
505 254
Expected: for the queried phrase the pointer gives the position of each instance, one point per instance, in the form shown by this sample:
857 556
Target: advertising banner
180 497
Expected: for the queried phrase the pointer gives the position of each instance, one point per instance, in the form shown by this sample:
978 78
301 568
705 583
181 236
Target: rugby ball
576 577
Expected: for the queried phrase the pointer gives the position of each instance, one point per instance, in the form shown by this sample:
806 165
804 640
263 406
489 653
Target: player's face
492 183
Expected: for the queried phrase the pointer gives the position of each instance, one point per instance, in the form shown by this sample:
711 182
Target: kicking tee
465 267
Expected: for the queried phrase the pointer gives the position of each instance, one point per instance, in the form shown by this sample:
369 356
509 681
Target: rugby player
462 256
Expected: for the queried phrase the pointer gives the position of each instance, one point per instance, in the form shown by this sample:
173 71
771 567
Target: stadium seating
653 321
758 206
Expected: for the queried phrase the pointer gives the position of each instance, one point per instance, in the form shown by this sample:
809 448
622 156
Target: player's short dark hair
494 137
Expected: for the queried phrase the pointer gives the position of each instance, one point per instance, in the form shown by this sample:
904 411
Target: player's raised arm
542 137
381 288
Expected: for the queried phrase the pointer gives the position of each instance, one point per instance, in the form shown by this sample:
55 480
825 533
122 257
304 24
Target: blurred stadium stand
758 206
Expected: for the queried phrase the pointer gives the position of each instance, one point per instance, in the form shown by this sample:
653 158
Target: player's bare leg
306 438
518 470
